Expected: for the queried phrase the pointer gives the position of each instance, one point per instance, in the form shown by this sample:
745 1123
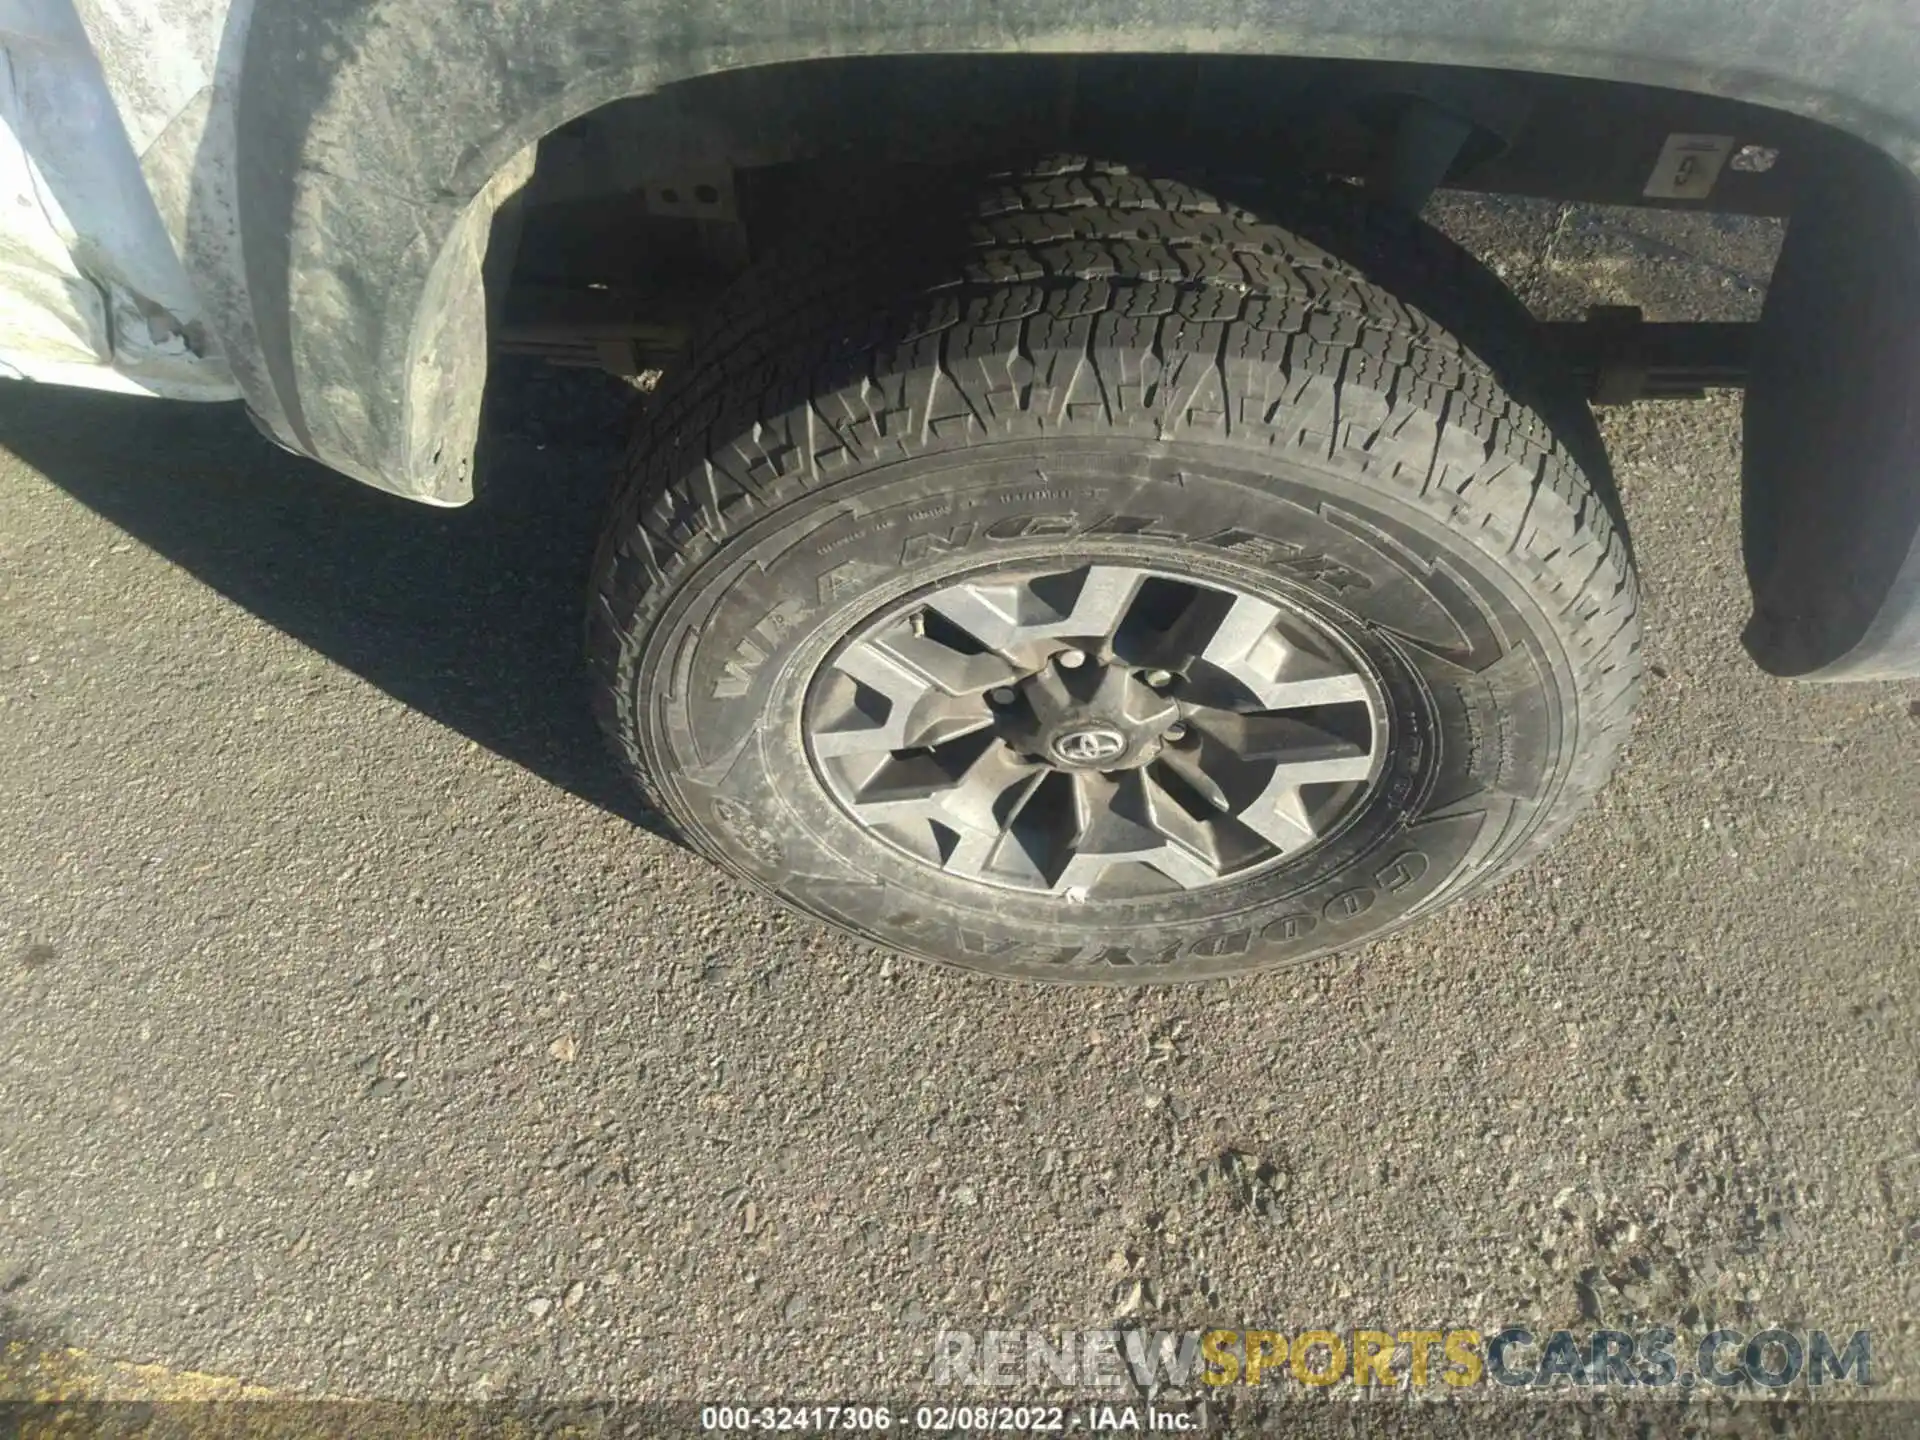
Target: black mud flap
1831 509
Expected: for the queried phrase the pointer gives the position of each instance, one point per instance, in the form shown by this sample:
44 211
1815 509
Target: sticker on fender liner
1688 167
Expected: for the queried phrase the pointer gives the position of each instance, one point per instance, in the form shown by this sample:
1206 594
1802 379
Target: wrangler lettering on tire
1073 575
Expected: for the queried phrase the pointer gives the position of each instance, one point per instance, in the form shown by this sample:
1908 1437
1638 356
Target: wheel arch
377 140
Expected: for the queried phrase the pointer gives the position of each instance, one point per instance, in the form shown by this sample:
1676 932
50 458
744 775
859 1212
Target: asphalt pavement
360 1037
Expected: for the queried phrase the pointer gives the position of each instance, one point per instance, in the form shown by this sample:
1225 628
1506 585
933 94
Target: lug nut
1072 659
1001 696
1176 731
1159 679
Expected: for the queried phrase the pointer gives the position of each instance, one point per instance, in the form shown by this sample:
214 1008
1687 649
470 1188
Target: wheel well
639 212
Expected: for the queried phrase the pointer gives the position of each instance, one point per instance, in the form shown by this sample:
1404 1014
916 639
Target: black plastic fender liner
1831 485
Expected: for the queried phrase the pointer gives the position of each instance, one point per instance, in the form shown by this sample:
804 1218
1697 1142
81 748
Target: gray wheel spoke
923 787
1119 829
1286 693
932 693
1188 764
1280 738
1026 621
1340 770
1279 816
911 663
1248 646
1096 733
1101 601
937 720
989 613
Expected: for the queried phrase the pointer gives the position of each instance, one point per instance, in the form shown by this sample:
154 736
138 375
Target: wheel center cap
1088 746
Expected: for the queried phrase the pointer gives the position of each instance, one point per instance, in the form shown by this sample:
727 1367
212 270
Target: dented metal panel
94 291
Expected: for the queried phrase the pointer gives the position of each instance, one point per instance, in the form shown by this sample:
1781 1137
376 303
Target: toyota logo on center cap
1089 745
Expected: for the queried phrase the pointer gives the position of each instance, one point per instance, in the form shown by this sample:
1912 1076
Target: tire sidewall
1475 693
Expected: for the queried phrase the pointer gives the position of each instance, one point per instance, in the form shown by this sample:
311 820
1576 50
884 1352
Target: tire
1069 374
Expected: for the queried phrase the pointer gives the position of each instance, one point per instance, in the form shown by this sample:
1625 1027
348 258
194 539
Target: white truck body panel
92 289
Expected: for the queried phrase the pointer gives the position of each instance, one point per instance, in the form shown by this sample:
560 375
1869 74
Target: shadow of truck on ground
471 616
